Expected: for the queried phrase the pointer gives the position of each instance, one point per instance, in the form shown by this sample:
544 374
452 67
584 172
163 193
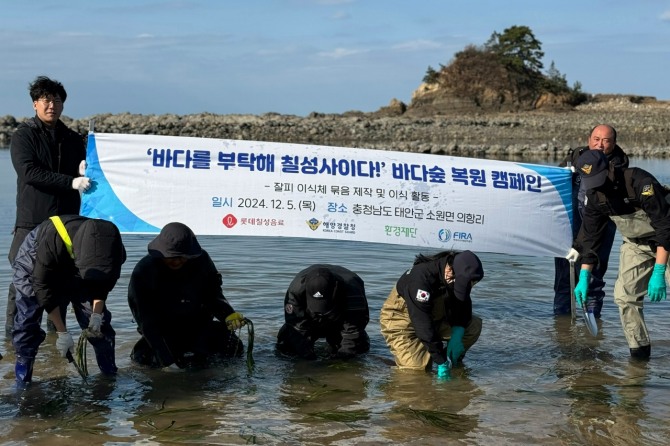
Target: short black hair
42 86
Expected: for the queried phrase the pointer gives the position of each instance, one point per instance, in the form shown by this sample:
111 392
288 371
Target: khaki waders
398 331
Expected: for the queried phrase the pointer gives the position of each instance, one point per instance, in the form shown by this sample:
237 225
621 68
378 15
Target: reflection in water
605 409
187 405
423 407
325 399
64 407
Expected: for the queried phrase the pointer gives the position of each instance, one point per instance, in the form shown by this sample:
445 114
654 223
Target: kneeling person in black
176 299
325 301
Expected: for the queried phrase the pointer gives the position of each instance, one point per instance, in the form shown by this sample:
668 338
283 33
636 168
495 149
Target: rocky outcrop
643 127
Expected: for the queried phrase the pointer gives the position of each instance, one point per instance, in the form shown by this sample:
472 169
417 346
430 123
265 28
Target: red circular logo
229 221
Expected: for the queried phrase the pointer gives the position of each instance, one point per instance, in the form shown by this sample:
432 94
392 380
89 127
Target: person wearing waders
431 303
640 207
325 301
602 137
67 259
176 300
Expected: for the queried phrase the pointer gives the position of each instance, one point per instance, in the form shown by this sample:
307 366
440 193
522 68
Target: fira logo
444 235
462 236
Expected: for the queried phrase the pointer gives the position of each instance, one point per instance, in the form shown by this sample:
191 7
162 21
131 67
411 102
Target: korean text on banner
231 187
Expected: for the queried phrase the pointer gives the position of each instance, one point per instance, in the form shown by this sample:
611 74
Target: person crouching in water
66 259
175 296
325 301
431 303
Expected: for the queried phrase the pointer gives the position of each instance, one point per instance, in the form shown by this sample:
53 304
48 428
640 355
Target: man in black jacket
325 301
176 299
65 260
49 161
602 138
640 207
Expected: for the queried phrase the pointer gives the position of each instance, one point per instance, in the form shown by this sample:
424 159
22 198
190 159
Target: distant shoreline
643 130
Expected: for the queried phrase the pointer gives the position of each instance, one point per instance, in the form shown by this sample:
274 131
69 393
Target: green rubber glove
656 288
443 369
582 287
455 348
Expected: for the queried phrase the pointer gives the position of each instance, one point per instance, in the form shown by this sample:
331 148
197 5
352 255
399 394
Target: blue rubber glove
582 287
656 288
455 348
443 369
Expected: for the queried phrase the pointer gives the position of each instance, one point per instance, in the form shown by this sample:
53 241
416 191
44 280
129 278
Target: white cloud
339 53
665 16
417 45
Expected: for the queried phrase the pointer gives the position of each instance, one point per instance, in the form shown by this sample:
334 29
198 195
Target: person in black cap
430 303
603 138
176 300
325 301
66 259
640 207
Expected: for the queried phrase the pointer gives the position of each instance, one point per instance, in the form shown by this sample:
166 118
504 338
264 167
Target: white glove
573 255
81 183
64 343
94 323
82 168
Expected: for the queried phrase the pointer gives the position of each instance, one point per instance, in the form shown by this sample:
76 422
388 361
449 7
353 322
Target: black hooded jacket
423 286
44 265
45 169
165 302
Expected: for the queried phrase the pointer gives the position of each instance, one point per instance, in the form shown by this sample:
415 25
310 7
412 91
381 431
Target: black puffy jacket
43 265
45 169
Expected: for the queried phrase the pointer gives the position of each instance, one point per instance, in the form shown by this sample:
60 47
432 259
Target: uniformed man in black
638 205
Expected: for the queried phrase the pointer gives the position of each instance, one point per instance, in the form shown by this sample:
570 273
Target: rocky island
643 127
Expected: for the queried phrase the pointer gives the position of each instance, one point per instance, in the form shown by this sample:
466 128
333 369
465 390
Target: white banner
230 187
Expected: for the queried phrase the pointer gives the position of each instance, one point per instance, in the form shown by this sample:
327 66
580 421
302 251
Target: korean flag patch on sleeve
422 296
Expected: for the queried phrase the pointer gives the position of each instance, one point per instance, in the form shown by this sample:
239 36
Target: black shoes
641 353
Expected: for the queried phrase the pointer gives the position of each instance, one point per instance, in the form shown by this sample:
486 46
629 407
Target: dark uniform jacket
423 287
617 156
617 159
45 169
169 305
631 190
44 265
348 318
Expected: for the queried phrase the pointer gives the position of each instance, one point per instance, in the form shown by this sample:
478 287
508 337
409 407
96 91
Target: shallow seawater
530 379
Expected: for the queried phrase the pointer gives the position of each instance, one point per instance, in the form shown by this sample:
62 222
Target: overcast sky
300 56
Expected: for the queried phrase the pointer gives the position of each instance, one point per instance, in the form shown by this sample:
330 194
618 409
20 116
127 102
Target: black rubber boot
104 355
641 353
